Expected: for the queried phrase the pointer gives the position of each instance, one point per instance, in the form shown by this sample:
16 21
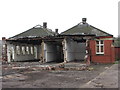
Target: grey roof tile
85 29
35 32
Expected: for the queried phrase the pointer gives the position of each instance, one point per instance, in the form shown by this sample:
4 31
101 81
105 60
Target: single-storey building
26 45
74 44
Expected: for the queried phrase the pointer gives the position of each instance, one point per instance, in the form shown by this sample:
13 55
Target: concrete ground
106 79
28 75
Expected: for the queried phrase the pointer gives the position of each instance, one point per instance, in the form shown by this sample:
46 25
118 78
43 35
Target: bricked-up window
23 50
17 50
27 50
99 47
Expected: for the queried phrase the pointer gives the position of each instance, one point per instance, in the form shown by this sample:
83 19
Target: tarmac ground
30 75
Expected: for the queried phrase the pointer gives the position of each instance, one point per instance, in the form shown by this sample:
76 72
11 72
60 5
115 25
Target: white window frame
99 45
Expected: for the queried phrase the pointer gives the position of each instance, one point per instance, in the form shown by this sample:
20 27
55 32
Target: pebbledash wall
109 51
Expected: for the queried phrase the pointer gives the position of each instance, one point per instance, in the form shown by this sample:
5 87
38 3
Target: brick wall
107 57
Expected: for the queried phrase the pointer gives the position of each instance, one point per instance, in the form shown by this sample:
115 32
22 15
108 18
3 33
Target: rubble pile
60 66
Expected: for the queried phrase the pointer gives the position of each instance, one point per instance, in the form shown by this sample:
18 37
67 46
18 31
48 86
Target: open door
52 52
74 50
11 54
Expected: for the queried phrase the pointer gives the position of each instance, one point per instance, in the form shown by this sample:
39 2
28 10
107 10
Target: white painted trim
100 47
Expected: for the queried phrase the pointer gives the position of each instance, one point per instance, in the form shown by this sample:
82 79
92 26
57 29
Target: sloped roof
85 29
37 31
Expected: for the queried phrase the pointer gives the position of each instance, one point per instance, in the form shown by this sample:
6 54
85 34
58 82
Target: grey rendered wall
75 50
20 57
79 51
70 50
50 52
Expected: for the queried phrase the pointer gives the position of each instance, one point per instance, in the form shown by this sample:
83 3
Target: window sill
100 54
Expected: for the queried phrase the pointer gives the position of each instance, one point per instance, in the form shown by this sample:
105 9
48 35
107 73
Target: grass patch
116 62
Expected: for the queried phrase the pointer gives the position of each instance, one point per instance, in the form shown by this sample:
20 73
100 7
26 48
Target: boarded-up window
27 50
99 47
17 50
23 50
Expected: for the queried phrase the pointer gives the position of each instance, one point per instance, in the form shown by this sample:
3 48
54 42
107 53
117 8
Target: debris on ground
106 67
18 67
99 85
58 66
90 68
49 75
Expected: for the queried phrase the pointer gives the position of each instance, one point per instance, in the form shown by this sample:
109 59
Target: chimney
56 30
3 38
44 24
84 20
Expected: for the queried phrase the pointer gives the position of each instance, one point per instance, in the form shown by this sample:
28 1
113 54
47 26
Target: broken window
31 50
27 50
23 50
99 47
35 52
17 50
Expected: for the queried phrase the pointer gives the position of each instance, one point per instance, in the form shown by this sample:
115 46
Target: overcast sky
17 16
